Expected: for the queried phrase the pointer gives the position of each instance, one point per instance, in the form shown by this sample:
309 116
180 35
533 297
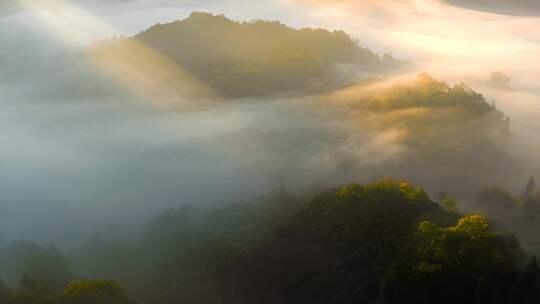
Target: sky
430 30
74 151
450 28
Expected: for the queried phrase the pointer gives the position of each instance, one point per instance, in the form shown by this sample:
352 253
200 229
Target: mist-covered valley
159 155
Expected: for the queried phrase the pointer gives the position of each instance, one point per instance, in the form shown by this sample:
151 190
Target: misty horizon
125 120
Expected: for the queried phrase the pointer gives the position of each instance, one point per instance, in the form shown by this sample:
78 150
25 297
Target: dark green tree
95 292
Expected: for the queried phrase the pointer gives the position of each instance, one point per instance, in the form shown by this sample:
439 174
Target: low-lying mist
83 152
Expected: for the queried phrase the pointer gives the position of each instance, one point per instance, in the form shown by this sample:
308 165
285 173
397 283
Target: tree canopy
257 58
386 241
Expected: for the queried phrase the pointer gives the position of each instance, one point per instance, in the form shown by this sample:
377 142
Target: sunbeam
140 68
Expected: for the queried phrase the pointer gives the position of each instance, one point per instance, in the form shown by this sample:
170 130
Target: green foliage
474 227
386 241
35 268
340 244
426 92
257 58
94 292
79 292
451 265
352 191
432 114
450 204
432 126
518 213
437 244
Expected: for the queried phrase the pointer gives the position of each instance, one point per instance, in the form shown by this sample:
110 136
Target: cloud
97 153
10 7
513 7
507 7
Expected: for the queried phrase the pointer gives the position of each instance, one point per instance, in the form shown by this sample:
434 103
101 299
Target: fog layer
84 149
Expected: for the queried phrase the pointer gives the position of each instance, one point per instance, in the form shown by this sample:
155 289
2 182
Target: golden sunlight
140 68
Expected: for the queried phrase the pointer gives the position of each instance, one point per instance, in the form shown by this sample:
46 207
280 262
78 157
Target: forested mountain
386 242
519 212
445 137
32 274
432 116
420 125
45 265
258 58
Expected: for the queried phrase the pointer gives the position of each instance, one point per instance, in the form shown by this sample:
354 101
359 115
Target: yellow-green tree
95 292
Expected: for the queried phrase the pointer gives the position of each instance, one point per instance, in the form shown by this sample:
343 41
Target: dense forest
386 242
434 117
259 58
421 126
519 212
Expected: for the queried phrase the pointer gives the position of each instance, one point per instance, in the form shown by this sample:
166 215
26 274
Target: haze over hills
270 187
409 126
258 58
356 129
420 126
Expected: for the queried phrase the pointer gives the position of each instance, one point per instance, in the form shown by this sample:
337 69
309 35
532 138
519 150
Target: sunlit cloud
141 69
437 36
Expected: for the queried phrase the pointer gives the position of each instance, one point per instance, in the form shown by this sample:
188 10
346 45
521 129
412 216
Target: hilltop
256 58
